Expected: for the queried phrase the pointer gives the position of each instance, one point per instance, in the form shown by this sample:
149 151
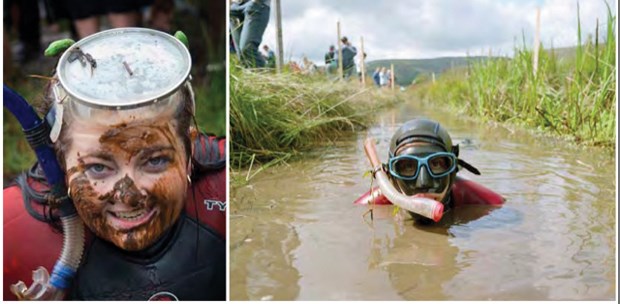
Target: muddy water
295 234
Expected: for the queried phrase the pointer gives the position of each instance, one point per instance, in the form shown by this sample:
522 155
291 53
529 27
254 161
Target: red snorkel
423 206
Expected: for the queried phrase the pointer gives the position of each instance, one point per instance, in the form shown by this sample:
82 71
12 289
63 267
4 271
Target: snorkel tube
421 205
37 132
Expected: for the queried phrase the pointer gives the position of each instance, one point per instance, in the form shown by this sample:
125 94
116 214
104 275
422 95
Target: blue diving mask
407 167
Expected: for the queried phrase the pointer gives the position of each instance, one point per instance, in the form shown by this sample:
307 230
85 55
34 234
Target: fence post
340 70
363 64
536 42
279 44
392 75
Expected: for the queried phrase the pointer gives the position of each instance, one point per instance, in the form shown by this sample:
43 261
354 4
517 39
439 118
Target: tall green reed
571 95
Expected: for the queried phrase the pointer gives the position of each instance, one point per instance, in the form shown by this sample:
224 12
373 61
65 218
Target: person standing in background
382 77
348 55
270 57
330 55
360 65
376 77
252 17
120 13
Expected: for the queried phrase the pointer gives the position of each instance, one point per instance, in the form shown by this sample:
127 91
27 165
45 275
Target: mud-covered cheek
86 201
170 194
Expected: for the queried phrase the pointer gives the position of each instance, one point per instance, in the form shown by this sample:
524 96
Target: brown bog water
295 234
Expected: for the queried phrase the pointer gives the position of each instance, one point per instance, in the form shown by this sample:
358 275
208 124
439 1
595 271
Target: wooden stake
392 75
536 42
363 64
279 44
340 70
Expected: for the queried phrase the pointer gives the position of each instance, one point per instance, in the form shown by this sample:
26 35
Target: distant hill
406 70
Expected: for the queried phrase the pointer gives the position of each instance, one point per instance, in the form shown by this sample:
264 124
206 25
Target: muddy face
424 184
128 181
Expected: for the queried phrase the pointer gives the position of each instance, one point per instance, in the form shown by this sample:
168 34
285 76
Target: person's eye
156 164
439 164
98 171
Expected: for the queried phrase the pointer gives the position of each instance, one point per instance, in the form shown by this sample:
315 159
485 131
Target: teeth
131 214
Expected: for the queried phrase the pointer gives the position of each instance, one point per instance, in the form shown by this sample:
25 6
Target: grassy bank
277 116
572 95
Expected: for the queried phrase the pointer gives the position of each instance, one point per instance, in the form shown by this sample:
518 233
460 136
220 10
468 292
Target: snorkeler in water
423 163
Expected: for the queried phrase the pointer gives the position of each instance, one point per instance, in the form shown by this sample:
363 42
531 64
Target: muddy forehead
137 136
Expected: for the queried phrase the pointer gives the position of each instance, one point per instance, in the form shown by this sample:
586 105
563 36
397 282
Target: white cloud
431 28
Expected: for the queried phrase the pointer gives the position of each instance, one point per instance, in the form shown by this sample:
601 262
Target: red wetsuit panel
466 192
28 243
207 196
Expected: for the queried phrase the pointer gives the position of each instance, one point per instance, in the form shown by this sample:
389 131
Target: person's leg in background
124 19
162 12
236 24
86 26
84 15
254 25
125 13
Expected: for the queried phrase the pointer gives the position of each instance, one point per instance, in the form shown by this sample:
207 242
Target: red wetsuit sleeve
28 243
207 200
466 192
207 194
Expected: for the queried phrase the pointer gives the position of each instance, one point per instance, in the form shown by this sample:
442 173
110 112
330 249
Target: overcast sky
430 28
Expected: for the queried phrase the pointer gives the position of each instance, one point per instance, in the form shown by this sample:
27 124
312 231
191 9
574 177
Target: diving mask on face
408 167
120 73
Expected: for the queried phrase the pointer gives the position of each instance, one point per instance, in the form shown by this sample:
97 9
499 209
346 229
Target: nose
126 192
424 179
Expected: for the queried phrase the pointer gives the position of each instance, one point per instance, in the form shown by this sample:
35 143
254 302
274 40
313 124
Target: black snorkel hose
37 133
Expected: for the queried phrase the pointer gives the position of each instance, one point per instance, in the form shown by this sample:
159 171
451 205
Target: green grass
17 155
572 96
274 117
211 104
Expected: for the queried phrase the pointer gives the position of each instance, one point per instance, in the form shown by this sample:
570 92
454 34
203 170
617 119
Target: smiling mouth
129 220
131 215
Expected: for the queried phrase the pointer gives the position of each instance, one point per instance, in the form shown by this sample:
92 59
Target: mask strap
462 163
54 116
467 166
191 94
